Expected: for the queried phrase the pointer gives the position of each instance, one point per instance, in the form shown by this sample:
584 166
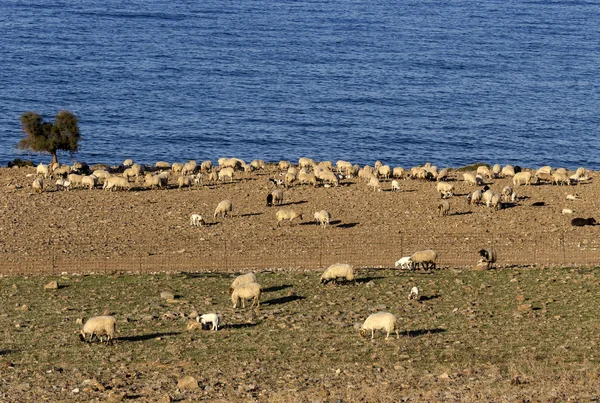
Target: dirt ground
97 224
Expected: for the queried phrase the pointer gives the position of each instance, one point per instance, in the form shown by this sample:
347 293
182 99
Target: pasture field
508 335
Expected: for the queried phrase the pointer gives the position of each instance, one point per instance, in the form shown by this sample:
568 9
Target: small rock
22 308
520 298
79 321
444 377
114 397
193 315
187 383
167 295
76 390
370 284
525 308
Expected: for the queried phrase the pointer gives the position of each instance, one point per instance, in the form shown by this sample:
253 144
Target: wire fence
455 250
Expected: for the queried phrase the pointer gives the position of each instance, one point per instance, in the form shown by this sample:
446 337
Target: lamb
197 220
99 326
414 293
580 222
243 279
287 214
488 257
42 170
522 178
277 195
445 189
223 208
90 181
444 208
380 321
426 258
38 185
338 270
213 318
404 263
395 185
322 217
246 291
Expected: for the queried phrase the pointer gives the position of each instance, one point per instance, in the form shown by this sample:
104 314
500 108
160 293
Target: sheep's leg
372 334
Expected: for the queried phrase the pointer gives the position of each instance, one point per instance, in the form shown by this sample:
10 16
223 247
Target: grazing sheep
284 165
329 177
246 291
116 183
506 194
484 171
468 177
414 293
384 171
90 181
42 170
223 209
404 263
338 270
322 217
287 214
176 167
206 166
189 168
445 189
226 174
212 177
307 179
497 170
496 202
486 197
380 321
475 197
559 178
197 220
257 164
99 326
306 162
62 184
243 279
38 185
442 175
289 179
547 169
374 183
514 197
101 174
522 178
444 208
162 165
395 185
488 257
580 222
277 195
508 170
153 181
75 179
61 171
399 173
213 318
426 258
186 181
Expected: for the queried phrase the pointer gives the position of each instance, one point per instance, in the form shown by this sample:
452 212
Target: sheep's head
350 276
362 332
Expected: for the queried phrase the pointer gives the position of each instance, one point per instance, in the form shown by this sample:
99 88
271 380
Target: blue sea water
448 81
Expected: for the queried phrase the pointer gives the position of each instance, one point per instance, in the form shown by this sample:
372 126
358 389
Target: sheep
284 165
399 173
42 170
128 163
484 171
99 326
442 175
506 193
414 293
223 208
61 171
128 173
197 220
379 321
488 257
404 263
162 165
496 170
38 185
384 171
580 222
206 166
90 181
116 182
343 166
307 179
185 181
322 217
243 279
152 181
246 291
475 197
294 171
426 258
547 169
176 167
101 174
257 164
198 179
468 177
327 165
213 318
395 185
445 189
286 214
189 168
444 208
522 178
289 179
212 177
508 170
496 202
226 174
338 270
514 197
306 162
375 184
560 179
277 197
269 200
75 179
329 177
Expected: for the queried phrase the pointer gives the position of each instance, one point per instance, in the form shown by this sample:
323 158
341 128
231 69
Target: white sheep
426 258
484 171
243 279
404 263
445 189
90 181
506 194
414 293
444 208
322 217
338 270
442 175
226 174
197 220
380 321
395 185
508 170
284 165
496 201
42 170
223 208
522 178
162 165
399 172
246 291
62 184
185 181
128 163
189 167
475 197
38 185
468 177
99 326
176 167
213 318
153 181
497 170
116 182
287 214
277 197
374 183
329 177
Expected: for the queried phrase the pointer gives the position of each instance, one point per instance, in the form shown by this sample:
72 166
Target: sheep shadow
334 222
428 297
364 280
238 325
462 213
293 203
276 288
283 300
423 332
7 352
348 225
144 337
538 204
251 214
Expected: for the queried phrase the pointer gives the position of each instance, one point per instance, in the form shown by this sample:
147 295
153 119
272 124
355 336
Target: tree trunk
54 159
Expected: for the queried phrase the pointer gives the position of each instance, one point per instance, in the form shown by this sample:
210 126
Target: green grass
302 343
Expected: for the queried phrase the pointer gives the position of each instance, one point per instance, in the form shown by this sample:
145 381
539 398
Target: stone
187 383
52 285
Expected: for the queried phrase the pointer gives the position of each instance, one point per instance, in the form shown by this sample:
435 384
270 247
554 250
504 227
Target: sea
451 82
